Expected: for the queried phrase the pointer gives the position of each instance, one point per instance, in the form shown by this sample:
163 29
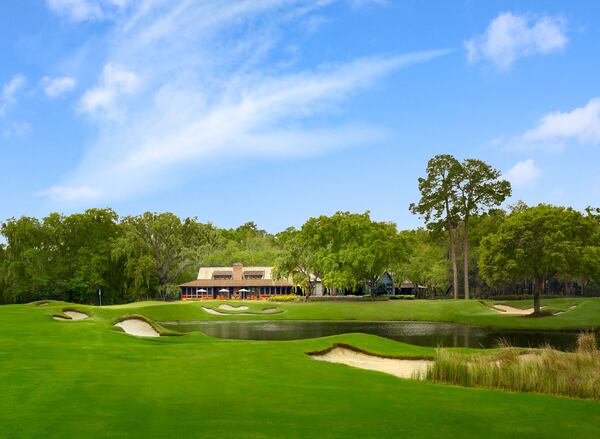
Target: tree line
519 250
129 258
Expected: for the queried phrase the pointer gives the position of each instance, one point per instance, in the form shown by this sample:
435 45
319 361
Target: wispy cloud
523 173
207 81
87 10
365 3
115 81
509 37
55 87
71 193
555 130
9 92
15 129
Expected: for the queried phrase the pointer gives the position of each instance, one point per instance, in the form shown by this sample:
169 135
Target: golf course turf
88 379
576 313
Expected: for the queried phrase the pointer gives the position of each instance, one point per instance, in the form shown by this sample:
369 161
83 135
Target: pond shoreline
453 322
432 334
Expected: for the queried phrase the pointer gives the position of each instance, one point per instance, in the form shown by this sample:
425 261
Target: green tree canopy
65 257
479 189
439 203
345 250
427 262
246 244
158 249
540 242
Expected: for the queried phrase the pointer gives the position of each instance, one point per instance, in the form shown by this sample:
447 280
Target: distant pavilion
236 282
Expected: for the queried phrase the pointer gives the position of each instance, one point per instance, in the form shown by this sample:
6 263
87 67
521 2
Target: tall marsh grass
574 374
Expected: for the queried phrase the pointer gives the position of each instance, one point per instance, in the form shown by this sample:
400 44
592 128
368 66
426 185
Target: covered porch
222 292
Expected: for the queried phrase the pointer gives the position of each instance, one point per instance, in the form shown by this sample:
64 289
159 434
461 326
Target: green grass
585 315
85 379
575 374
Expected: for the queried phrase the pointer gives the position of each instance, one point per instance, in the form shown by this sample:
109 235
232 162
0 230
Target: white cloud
523 173
87 10
580 124
16 129
115 81
510 37
70 193
9 91
214 91
55 87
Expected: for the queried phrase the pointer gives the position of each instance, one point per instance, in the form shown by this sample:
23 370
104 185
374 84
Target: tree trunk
466 260
454 266
537 293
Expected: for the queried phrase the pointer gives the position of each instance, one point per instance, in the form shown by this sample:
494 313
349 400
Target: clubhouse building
236 282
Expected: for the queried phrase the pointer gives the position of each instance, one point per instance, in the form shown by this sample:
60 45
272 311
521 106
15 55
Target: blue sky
278 110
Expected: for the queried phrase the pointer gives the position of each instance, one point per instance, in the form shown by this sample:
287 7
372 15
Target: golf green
87 379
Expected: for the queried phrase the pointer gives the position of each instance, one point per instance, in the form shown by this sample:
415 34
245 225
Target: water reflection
418 333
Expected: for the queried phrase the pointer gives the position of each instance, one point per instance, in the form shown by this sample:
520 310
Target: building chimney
238 271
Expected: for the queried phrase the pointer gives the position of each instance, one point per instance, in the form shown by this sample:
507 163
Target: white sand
269 310
74 316
218 313
509 310
214 312
138 327
397 367
227 307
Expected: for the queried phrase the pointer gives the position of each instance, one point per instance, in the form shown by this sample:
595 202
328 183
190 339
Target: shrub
381 297
284 298
348 298
403 297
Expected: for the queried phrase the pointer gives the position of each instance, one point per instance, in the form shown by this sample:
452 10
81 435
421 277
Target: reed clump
573 374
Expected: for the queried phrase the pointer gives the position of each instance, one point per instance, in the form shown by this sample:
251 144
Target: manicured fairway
585 314
83 379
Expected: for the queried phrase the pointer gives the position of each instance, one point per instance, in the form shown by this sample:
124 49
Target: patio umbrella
223 290
201 290
244 290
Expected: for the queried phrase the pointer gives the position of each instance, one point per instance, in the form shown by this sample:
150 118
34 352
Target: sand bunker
74 316
138 327
403 368
42 304
227 307
215 312
509 310
218 313
233 308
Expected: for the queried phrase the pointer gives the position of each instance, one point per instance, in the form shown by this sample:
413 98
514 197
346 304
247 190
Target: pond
418 333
